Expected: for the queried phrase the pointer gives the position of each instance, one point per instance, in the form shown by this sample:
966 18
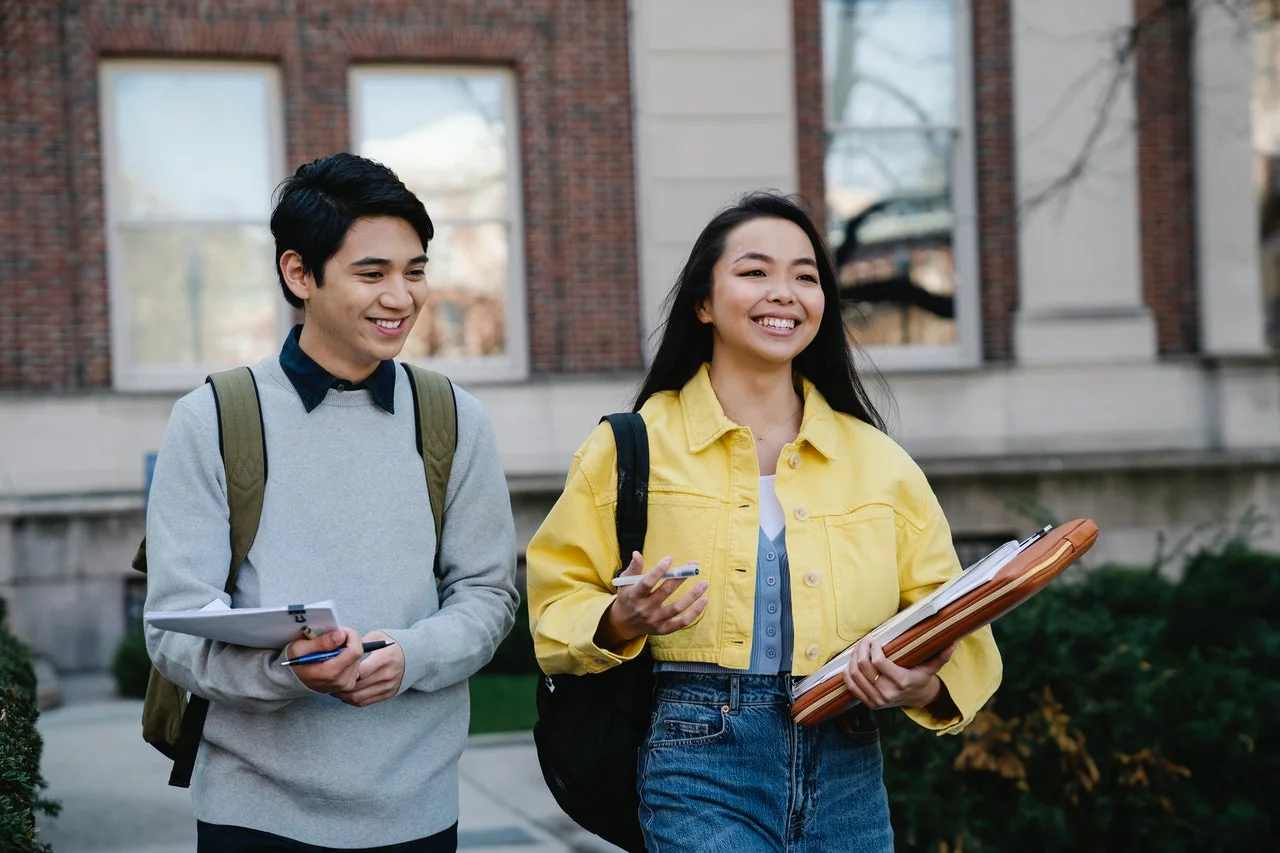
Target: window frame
126 374
966 352
513 364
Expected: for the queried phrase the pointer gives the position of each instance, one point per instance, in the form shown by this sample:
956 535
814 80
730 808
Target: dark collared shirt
312 382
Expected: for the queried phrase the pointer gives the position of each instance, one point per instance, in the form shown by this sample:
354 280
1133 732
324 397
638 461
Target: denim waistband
736 691
724 689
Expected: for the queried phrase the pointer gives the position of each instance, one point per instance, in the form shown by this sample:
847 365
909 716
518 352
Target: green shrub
1135 714
20 745
131 667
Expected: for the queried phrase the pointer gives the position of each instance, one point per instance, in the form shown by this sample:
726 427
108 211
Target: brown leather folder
1022 577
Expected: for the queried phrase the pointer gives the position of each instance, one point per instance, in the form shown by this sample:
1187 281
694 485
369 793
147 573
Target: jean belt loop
735 685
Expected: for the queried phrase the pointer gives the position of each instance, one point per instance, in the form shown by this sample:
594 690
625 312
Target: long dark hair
686 341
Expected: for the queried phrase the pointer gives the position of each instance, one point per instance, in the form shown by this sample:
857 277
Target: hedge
20 745
1135 714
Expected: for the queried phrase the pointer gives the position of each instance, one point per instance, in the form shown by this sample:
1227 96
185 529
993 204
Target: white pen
686 571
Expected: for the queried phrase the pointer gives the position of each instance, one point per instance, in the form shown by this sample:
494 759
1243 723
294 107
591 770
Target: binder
1018 574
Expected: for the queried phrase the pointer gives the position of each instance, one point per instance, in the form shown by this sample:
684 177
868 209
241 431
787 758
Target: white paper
255 627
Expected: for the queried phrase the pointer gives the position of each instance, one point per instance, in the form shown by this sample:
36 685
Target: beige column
1080 289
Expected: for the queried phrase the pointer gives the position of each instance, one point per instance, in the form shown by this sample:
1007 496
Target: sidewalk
115 800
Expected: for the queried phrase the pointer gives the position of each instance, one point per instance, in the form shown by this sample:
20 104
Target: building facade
1048 219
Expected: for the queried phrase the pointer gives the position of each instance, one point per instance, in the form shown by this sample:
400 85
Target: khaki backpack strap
242 441
436 415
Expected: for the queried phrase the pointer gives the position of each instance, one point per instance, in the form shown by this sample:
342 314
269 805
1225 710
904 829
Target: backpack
171 722
590 727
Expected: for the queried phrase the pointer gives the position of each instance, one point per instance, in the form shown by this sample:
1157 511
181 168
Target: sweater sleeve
188 555
478 595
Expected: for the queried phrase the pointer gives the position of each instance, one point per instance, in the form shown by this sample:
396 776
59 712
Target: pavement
115 799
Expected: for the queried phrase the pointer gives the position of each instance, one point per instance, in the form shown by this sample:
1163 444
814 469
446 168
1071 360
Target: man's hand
878 682
378 675
333 675
641 609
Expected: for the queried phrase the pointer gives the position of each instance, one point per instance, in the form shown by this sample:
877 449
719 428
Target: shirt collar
312 382
705 421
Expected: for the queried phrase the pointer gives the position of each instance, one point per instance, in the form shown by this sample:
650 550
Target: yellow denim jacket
857 508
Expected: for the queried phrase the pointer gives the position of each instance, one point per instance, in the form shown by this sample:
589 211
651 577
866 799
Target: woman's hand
640 608
880 683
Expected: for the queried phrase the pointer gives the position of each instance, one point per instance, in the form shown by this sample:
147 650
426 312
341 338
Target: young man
359 752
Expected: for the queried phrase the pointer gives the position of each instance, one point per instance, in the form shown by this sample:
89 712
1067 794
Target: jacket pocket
684 527
864 568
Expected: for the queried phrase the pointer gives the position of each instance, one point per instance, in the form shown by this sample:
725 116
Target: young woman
769 468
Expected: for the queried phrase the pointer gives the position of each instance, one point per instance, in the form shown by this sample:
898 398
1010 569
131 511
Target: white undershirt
771 518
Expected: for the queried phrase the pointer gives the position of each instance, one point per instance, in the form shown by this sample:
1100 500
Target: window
191 154
900 199
450 134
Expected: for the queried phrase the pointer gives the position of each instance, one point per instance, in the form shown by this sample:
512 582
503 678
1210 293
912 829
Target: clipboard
255 627
823 695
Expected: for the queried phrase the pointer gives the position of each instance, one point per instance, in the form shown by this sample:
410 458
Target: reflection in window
445 133
1266 146
889 73
188 154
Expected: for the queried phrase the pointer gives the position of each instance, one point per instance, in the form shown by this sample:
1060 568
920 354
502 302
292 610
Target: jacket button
811 579
801 513
794 461
812 652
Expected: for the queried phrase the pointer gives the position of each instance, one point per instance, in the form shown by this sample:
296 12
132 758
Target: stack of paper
255 627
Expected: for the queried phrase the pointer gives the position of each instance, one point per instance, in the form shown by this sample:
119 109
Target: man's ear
296 278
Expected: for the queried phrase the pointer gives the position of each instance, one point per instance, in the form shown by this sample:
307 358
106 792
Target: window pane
191 145
466 308
444 135
199 295
890 226
889 62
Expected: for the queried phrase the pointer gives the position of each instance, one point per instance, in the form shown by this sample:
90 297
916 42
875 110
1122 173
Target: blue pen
321 657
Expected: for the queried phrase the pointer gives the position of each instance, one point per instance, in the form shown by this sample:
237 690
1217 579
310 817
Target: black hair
317 205
686 341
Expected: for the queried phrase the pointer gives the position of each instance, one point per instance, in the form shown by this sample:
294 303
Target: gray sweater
346 517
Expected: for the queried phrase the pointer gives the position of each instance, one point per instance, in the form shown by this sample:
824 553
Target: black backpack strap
632 519
242 443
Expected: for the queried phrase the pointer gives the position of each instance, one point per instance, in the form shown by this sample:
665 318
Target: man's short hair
317 205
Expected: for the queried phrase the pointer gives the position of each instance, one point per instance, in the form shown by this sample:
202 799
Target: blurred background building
1058 227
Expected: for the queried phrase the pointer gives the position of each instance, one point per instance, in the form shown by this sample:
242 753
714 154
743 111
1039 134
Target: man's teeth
389 324
776 323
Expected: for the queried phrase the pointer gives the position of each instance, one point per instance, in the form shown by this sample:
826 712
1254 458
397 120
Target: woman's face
766 301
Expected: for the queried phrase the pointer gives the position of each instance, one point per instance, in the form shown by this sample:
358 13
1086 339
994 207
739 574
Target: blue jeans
724 770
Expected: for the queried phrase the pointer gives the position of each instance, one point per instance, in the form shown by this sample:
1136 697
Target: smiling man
358 752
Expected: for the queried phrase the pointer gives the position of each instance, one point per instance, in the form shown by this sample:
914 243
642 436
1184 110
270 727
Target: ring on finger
877 678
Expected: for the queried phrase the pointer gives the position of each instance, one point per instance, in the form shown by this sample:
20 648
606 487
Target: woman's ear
295 275
701 312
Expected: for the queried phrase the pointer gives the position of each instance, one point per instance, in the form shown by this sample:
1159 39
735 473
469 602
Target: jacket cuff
591 657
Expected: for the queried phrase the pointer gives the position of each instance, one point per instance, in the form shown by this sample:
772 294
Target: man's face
374 287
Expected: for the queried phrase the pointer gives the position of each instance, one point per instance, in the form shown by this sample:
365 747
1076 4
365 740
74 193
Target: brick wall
1166 194
994 150
811 129
572 63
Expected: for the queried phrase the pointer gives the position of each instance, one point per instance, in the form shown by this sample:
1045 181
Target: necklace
761 434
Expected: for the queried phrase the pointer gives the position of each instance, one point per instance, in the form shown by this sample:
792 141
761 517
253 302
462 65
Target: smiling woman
764 451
